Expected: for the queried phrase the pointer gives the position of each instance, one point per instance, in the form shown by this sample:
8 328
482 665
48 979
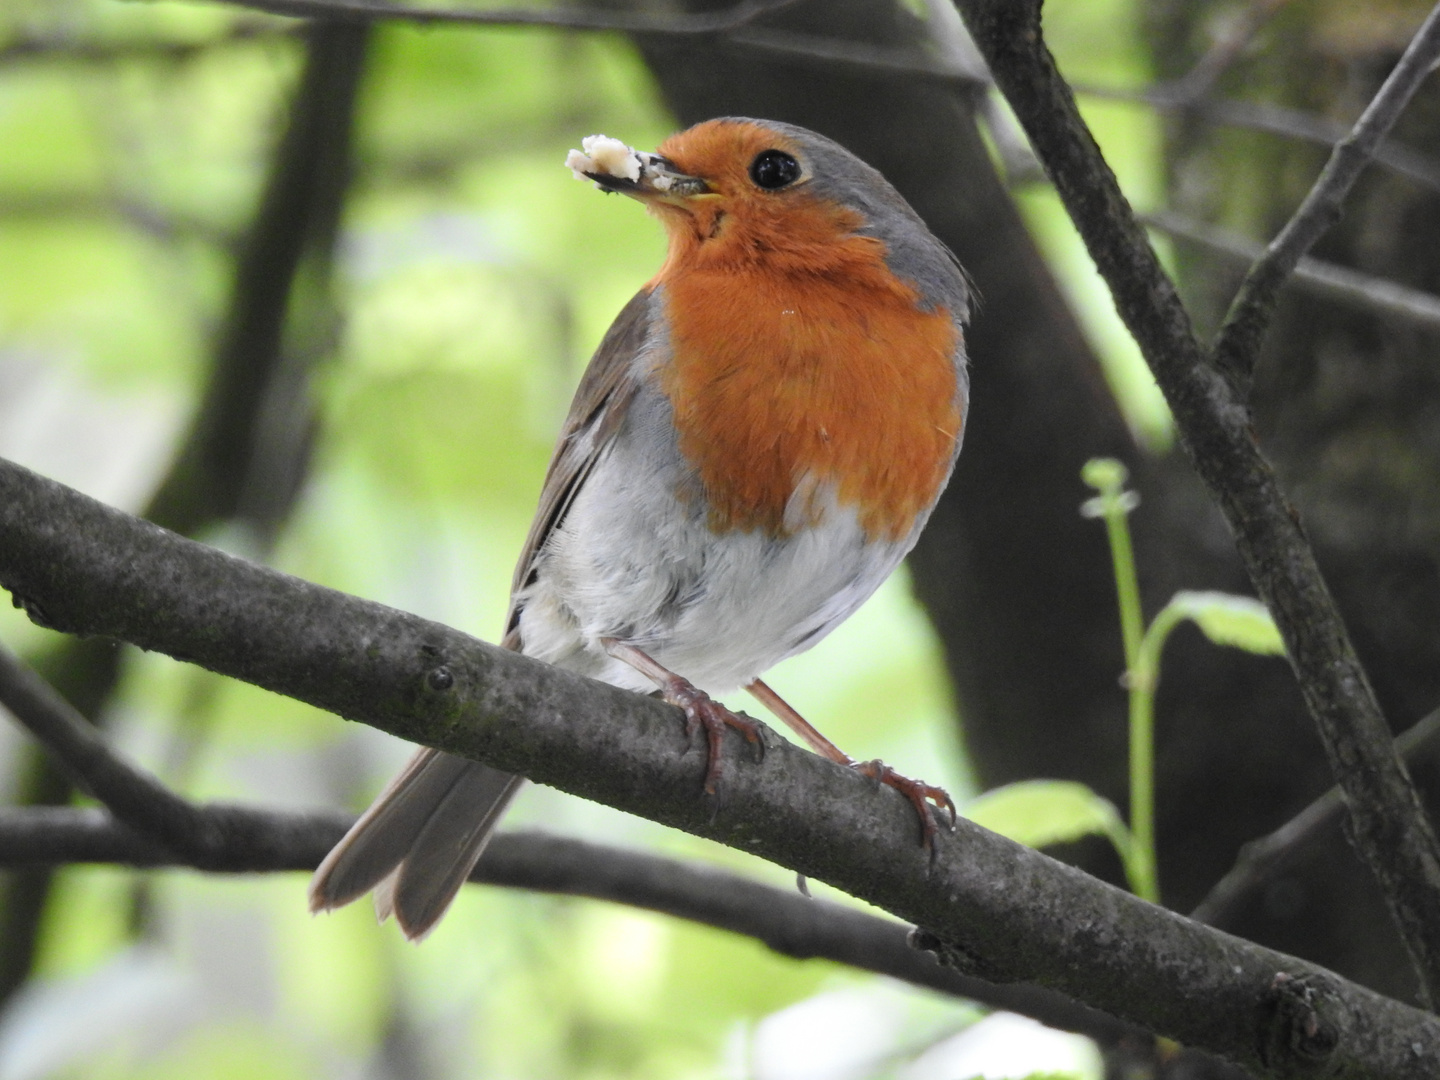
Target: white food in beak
606 156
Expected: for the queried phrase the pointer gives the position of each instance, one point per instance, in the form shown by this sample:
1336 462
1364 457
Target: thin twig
133 796
714 22
1391 830
1229 43
1273 120
995 909
147 219
784 920
1238 343
858 55
1263 859
43 47
1379 295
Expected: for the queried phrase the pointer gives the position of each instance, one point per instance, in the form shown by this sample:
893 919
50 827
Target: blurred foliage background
472 277
417 375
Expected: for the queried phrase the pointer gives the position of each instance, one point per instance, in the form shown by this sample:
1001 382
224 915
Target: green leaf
1239 621
1043 812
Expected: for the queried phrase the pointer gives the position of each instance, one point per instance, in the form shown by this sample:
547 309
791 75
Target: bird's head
741 191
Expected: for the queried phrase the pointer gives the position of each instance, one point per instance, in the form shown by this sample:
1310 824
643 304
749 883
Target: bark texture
1347 406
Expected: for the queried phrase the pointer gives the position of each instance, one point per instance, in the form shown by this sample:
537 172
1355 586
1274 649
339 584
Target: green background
474 277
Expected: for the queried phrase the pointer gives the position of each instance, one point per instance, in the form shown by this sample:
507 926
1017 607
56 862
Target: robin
754 447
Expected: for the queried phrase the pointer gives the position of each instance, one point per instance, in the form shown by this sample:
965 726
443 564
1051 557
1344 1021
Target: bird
754 447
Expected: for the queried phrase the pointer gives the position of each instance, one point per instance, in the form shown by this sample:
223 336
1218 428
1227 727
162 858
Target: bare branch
1238 343
42 47
145 218
999 911
1390 828
1386 298
1274 120
736 23
785 921
840 53
134 797
251 430
1229 43
629 22
152 826
1262 860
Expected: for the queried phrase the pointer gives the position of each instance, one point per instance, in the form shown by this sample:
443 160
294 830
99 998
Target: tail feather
378 842
419 840
442 856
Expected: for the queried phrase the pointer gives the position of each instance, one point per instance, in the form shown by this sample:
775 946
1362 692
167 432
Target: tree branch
1263 859
1388 825
242 438
1273 120
136 798
76 49
565 18
1229 42
1238 343
223 460
1004 912
1388 299
787 922
833 53
152 826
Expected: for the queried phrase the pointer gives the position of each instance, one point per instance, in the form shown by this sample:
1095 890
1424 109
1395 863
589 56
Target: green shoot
1237 621
1113 503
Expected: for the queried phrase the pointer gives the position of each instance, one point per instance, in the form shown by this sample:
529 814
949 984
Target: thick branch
1238 343
152 826
1008 912
1388 825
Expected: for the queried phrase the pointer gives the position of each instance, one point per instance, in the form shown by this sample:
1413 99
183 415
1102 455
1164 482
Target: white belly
634 562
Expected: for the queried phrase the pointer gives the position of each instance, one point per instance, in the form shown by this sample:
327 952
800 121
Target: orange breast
781 378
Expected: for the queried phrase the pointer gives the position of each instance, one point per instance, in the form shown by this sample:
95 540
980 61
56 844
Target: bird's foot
703 711
926 799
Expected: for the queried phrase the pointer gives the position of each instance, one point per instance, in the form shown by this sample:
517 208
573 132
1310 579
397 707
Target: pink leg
920 794
701 710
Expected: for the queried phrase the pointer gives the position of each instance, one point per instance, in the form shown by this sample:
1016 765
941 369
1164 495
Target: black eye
773 169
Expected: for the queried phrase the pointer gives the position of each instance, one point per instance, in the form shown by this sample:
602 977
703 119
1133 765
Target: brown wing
419 842
595 414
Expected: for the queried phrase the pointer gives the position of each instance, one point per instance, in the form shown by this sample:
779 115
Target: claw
703 711
925 798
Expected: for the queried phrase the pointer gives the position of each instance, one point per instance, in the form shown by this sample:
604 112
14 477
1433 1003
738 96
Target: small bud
1104 474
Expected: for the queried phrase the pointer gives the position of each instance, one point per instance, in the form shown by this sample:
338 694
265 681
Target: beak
659 179
615 167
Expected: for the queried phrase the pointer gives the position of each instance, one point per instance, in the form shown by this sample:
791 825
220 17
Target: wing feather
607 386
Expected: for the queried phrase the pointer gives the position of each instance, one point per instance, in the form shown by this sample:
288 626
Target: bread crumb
605 156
